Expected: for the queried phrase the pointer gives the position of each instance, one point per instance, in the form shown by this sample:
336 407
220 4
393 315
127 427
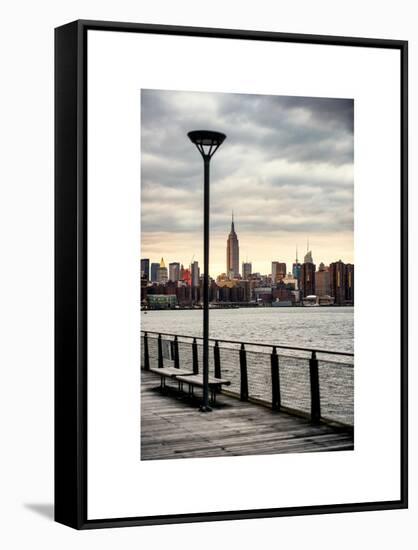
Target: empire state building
232 252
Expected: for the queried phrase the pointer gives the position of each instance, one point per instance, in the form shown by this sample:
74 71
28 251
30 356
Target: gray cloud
287 164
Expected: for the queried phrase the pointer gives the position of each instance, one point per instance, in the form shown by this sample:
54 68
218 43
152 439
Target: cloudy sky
285 169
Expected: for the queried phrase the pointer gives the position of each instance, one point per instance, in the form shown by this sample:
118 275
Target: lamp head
206 141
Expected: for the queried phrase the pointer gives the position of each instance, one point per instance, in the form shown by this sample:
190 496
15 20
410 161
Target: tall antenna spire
297 254
232 224
307 245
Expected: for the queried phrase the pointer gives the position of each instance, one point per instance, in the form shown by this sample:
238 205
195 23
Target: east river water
330 328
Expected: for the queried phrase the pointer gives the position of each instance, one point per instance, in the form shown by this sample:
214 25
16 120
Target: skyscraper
296 267
154 272
162 274
307 275
349 282
307 279
278 271
246 269
322 281
174 271
195 271
337 275
308 257
145 268
232 252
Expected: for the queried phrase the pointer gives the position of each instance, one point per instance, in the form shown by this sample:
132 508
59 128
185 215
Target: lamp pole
207 143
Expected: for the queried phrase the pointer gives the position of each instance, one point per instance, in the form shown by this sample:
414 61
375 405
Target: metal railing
315 383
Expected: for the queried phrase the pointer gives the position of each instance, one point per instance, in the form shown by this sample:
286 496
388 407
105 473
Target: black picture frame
71 339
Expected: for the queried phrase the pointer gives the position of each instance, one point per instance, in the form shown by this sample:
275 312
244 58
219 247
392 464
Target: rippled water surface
330 328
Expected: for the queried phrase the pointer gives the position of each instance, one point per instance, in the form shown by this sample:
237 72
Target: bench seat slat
197 380
171 372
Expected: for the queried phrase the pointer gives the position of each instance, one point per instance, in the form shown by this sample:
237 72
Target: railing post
315 396
160 352
146 352
176 353
217 360
275 381
195 358
244 373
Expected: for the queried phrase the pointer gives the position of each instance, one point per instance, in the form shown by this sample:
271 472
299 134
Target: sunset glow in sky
285 169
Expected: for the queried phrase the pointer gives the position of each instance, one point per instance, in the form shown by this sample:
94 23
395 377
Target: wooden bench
215 384
170 372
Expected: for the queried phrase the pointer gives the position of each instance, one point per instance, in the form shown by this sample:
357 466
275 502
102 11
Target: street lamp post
207 144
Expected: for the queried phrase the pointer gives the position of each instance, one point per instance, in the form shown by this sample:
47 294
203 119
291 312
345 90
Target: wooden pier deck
173 427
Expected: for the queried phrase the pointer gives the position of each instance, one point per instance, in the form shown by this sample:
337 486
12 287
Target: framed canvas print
228 342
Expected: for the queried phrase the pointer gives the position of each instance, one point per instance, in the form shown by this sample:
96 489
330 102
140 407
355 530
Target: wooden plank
173 427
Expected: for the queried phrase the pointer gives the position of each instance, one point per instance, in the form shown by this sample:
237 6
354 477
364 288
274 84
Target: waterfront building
225 288
145 268
144 288
246 270
187 277
282 293
263 295
213 291
195 274
154 272
296 294
170 287
162 272
197 292
307 278
337 274
233 291
349 281
246 289
184 295
292 281
226 283
162 301
322 281
174 271
224 294
232 253
278 271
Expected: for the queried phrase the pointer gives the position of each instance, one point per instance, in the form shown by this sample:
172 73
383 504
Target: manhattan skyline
286 169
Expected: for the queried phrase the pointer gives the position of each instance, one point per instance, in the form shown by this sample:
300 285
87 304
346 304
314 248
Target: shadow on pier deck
172 427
